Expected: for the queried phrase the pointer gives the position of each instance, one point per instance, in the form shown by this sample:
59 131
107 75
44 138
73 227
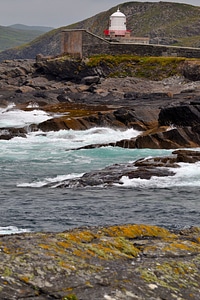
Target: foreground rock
118 262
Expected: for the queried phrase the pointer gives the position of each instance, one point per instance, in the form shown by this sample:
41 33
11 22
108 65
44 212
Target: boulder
191 70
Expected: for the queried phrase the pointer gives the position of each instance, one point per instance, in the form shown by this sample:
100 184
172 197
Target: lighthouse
117 25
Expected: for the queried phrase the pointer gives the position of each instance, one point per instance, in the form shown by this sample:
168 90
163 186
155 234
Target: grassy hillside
26 27
164 22
11 36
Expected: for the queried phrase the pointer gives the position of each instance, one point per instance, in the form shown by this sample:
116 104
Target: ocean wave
76 138
13 117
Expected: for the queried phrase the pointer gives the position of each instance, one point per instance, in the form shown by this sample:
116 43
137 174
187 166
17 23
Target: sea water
28 164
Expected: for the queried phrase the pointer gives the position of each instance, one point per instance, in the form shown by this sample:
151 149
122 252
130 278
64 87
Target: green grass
10 38
188 41
155 68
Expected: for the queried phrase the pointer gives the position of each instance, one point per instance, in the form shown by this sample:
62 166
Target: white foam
186 175
12 230
19 118
32 105
39 143
58 179
97 135
7 108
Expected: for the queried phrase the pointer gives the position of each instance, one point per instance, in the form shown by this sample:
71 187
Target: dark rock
187 156
149 96
64 98
131 102
113 174
164 139
71 69
181 115
169 139
40 94
125 116
9 133
130 144
191 70
90 80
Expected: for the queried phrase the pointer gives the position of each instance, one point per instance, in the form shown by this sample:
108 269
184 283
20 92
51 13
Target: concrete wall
81 43
72 43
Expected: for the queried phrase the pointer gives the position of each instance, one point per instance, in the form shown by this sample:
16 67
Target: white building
117 25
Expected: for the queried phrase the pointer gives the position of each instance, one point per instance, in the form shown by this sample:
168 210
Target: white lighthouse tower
117 26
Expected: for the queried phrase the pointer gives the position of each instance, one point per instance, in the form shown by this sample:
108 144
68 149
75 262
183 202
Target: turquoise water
28 164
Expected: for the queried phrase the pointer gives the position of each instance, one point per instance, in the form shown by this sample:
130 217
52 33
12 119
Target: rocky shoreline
166 112
117 262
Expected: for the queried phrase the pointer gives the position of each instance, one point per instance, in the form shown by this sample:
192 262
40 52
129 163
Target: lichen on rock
120 261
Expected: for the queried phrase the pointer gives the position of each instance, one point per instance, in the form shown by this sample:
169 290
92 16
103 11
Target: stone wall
81 43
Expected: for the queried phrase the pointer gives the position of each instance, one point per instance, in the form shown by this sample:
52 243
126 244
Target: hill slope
16 35
163 22
26 27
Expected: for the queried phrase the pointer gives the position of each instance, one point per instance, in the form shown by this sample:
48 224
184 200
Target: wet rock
92 115
9 133
169 139
160 138
187 156
143 168
64 98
